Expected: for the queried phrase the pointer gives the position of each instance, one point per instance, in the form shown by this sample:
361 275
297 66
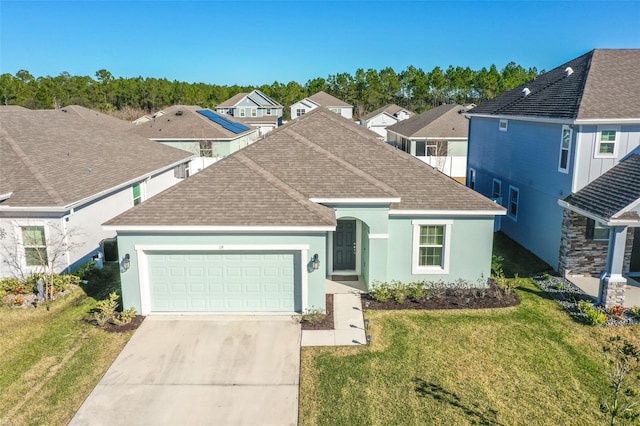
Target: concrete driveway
201 370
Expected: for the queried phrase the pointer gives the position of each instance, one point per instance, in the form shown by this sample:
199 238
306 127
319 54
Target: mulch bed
493 297
326 323
134 324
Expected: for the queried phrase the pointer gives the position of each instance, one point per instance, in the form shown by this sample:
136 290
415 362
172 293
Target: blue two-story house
532 147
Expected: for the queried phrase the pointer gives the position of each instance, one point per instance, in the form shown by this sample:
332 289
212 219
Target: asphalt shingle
320 155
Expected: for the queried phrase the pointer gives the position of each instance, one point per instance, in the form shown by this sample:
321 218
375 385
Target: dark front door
344 246
634 268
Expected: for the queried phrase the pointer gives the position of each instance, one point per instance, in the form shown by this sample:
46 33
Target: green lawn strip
525 365
53 360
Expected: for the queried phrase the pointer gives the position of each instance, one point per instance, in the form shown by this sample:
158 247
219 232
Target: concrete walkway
201 370
591 286
347 317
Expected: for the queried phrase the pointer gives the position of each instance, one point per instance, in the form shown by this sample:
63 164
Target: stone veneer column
612 284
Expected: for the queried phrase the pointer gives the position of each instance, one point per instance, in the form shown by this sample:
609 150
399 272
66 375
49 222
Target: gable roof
613 193
603 84
184 122
97 117
391 109
326 100
444 121
255 96
51 158
320 156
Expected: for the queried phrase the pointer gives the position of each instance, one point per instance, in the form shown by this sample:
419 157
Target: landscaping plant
623 371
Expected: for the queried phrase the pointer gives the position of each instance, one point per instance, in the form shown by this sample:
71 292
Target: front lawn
530 364
50 360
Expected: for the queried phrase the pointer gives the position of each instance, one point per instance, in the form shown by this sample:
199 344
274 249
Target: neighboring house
548 139
380 119
438 137
321 99
65 172
255 109
197 130
318 197
609 209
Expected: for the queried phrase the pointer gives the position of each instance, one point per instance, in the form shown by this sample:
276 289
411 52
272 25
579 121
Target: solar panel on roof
232 126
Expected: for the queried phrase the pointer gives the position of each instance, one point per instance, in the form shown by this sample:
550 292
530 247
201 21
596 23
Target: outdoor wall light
315 262
126 262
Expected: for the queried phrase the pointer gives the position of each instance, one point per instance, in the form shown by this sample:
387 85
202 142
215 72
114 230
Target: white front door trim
358 270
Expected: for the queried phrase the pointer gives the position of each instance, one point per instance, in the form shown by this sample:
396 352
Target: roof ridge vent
526 92
568 71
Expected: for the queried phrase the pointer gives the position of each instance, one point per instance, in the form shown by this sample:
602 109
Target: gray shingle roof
256 95
444 121
55 158
326 100
321 155
188 125
605 84
391 109
612 192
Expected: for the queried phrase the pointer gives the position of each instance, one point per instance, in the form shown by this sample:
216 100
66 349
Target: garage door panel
232 282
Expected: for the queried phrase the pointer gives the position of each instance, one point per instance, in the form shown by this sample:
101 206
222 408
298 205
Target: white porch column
612 283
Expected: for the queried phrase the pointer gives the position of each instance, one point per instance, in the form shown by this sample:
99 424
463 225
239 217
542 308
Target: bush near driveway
50 360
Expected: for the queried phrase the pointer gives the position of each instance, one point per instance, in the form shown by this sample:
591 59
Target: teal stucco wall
471 247
131 279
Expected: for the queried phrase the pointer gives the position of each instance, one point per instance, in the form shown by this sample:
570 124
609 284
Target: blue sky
254 43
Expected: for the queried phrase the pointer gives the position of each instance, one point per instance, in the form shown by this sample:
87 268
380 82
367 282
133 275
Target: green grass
529 364
50 360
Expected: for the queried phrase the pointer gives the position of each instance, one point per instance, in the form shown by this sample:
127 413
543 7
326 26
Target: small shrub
105 310
546 276
15 286
313 316
84 270
635 311
617 312
124 317
496 266
437 288
593 315
380 292
417 291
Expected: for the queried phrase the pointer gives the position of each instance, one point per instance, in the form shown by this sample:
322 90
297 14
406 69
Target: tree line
413 88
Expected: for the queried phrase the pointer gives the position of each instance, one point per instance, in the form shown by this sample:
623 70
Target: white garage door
224 281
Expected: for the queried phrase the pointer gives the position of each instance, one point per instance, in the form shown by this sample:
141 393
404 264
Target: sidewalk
347 318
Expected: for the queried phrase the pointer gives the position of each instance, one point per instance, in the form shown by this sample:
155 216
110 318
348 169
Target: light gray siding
590 166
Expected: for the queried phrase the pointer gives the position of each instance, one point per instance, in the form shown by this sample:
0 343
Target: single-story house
322 99
380 119
262 229
197 130
65 172
438 137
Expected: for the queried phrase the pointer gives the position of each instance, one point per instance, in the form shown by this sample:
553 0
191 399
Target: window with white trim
503 125
242 112
565 148
606 144
514 200
471 181
254 112
300 112
496 192
268 111
431 246
35 245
